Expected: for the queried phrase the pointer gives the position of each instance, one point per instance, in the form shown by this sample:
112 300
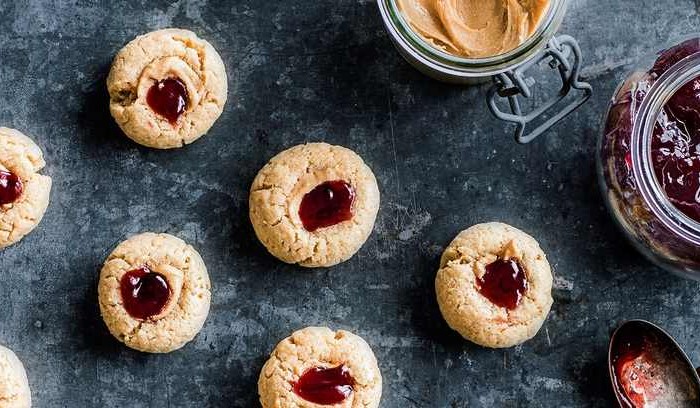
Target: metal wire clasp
513 83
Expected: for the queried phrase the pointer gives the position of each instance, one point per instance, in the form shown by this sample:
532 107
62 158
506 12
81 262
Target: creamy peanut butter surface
474 28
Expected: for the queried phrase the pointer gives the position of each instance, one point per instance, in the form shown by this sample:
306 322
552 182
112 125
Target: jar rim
649 186
412 42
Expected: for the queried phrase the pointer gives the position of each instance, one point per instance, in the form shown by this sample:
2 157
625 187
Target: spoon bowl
649 369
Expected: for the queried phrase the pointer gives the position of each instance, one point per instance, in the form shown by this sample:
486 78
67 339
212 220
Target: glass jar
508 71
644 138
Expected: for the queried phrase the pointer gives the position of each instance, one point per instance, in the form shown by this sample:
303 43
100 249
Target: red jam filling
11 187
325 386
328 204
675 149
636 375
144 293
168 98
504 283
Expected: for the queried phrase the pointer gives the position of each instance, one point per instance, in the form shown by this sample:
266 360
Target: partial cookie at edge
21 156
319 347
14 385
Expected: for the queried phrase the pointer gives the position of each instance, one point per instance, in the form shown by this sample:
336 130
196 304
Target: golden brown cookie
317 367
14 386
24 193
167 88
314 204
154 293
494 285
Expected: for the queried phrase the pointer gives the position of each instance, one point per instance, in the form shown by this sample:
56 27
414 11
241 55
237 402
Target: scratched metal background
307 70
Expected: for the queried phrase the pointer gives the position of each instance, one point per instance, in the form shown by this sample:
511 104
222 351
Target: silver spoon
648 369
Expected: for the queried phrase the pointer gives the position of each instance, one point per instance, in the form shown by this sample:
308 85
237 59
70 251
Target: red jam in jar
328 204
649 158
325 386
168 98
11 187
675 149
504 283
144 293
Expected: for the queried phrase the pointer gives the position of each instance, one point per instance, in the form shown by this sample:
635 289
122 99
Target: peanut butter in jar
474 28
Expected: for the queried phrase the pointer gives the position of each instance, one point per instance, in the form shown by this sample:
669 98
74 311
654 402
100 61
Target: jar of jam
454 42
649 158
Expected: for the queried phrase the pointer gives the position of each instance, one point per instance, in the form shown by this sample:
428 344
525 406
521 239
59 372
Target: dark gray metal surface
299 71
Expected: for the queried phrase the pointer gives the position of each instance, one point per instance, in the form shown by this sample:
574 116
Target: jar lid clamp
509 85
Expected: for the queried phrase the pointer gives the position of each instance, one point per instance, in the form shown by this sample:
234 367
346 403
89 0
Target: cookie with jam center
167 88
24 193
317 367
314 204
494 285
154 293
14 385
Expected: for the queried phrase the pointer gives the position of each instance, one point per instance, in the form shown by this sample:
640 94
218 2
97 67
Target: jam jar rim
640 148
402 33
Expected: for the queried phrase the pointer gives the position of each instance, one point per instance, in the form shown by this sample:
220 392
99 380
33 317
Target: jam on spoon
648 369
635 370
144 293
168 98
325 386
504 283
11 187
328 204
